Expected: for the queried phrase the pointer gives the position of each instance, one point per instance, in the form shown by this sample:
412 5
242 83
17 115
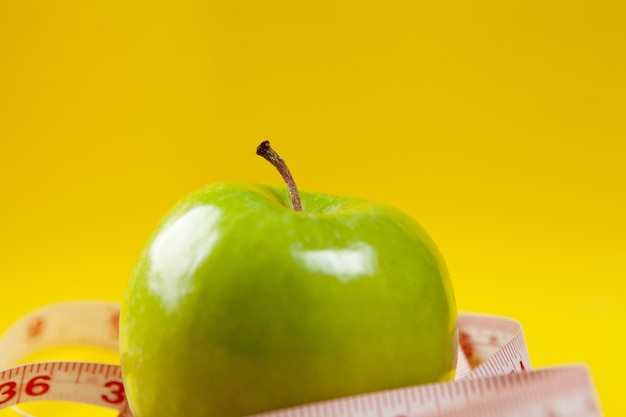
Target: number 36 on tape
493 377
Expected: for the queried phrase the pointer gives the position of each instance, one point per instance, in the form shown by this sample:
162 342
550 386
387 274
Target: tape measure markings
440 399
537 393
87 382
492 345
491 378
75 323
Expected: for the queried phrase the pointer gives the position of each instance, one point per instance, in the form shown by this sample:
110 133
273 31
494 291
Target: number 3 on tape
493 378
62 381
34 388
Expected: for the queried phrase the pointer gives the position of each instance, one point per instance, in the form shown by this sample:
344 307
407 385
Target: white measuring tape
493 377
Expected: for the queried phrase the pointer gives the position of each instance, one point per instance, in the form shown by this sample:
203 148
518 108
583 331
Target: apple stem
266 151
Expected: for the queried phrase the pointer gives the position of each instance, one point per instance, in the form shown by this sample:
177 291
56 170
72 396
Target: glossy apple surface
240 305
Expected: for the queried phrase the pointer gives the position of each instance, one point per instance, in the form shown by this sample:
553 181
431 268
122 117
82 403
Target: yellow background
499 125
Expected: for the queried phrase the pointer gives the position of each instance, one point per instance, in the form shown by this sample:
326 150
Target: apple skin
240 305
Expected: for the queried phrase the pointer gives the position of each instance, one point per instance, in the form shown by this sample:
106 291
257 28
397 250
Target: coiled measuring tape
493 378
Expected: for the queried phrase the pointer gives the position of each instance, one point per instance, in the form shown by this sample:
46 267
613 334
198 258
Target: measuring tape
493 377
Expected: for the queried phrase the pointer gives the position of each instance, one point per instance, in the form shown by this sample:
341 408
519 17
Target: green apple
239 304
